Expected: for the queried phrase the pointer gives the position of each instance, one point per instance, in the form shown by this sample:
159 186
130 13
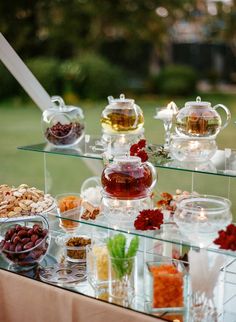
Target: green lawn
20 125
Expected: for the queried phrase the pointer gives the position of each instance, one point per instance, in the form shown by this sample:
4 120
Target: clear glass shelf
225 304
168 235
223 163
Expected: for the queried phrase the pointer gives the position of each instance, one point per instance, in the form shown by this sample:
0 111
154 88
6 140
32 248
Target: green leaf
121 262
133 247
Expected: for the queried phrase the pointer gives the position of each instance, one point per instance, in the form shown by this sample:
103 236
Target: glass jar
97 265
122 115
167 286
121 283
63 125
128 178
200 119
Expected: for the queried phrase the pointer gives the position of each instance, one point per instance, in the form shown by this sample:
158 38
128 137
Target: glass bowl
24 242
192 149
200 217
69 207
75 248
62 125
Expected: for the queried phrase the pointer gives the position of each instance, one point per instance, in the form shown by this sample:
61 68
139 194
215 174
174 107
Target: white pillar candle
165 115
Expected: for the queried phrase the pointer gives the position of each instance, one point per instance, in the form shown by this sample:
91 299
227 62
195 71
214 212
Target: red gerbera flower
142 155
142 144
138 149
149 219
227 238
134 149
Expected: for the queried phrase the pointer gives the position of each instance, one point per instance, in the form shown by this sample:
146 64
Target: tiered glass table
168 239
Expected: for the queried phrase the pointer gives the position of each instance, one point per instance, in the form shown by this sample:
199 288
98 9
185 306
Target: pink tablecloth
26 300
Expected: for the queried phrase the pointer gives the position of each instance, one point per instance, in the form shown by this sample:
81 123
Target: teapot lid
127 159
198 103
122 99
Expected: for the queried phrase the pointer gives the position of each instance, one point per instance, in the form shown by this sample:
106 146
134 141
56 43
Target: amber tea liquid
122 120
127 184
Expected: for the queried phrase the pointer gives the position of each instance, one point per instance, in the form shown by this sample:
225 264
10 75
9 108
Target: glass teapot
200 119
62 125
122 115
128 178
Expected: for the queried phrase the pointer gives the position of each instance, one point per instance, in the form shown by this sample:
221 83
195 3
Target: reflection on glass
195 166
224 165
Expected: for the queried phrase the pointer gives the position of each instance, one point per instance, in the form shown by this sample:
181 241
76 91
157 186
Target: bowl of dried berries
62 125
24 242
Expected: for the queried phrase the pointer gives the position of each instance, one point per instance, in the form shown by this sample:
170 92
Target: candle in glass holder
202 217
164 114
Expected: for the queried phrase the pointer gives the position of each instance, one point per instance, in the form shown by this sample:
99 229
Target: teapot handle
228 114
154 174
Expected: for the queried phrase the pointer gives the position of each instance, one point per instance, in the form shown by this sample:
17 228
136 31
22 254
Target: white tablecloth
25 300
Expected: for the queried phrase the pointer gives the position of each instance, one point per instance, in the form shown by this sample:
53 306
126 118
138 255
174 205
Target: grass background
21 125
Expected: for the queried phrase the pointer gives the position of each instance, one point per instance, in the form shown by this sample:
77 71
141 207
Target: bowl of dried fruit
69 207
75 248
24 242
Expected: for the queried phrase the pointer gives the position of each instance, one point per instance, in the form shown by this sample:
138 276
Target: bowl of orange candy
69 208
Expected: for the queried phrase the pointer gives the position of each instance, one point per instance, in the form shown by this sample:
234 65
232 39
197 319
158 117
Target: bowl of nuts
75 248
24 242
23 201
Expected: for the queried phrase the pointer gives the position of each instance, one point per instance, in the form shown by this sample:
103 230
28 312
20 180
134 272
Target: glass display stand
167 241
223 162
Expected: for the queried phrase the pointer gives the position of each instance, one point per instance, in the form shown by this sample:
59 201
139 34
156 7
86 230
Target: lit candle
116 203
122 139
129 203
121 145
172 106
194 145
202 217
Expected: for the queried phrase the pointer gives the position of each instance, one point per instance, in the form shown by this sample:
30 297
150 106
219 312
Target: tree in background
136 35
64 28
